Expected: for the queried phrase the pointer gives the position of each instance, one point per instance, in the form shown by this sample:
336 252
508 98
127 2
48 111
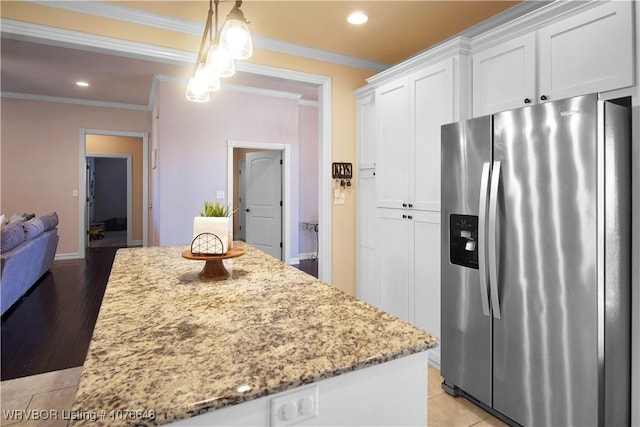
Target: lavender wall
40 157
191 142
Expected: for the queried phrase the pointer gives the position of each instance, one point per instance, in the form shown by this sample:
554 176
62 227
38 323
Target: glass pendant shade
197 91
208 77
236 38
220 61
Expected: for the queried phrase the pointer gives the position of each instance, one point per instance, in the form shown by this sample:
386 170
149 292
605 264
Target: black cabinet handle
410 205
404 217
527 101
247 210
404 205
543 98
409 217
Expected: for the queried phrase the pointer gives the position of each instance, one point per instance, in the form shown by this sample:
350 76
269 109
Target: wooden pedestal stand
213 267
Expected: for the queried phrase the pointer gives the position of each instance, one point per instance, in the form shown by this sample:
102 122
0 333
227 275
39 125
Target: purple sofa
27 253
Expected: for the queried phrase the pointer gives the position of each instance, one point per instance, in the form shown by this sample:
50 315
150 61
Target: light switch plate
220 194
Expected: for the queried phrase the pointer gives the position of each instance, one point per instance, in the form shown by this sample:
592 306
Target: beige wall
107 144
344 81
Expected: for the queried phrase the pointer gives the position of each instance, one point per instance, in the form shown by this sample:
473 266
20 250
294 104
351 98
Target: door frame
286 185
127 157
82 179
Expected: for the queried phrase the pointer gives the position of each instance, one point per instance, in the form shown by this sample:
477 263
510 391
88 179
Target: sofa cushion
11 236
50 220
33 228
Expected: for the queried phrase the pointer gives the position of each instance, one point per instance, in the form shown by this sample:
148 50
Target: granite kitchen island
268 345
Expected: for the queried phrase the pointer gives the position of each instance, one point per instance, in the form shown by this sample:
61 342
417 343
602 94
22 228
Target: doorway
237 150
109 204
115 144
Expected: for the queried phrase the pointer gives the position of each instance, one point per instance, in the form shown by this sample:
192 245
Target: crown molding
456 46
43 34
149 19
76 101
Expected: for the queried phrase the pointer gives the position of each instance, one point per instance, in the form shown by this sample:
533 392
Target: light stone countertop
170 346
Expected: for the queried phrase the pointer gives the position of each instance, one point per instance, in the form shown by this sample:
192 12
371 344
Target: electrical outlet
220 194
294 407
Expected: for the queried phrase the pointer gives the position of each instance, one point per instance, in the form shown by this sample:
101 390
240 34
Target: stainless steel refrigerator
535 279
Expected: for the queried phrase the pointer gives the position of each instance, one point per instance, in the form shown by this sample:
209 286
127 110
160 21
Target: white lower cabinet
408 267
426 275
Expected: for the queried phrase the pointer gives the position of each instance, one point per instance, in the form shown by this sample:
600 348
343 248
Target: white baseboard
294 261
66 257
305 256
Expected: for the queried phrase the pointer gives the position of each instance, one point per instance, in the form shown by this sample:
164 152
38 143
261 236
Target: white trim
126 14
129 190
67 256
528 22
307 256
457 46
77 101
82 179
260 91
286 185
308 103
52 36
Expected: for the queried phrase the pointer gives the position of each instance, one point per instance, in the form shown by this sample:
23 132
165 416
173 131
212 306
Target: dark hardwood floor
50 329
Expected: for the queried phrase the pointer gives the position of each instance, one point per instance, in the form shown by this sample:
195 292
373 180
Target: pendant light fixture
218 50
235 36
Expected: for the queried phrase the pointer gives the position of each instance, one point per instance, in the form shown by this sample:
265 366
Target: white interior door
264 201
242 195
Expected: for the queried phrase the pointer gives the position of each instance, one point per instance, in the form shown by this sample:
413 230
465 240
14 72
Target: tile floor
51 394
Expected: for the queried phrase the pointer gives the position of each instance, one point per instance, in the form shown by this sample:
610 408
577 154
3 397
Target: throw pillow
3 220
11 236
50 220
33 228
16 218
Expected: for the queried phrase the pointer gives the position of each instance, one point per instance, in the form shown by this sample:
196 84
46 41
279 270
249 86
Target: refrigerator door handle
493 249
482 224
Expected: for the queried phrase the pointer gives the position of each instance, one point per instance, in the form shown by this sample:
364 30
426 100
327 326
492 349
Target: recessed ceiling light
82 84
357 18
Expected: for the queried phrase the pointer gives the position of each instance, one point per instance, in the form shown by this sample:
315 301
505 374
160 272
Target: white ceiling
396 30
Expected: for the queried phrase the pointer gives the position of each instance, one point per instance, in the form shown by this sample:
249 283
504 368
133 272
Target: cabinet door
426 258
393 145
366 119
394 249
432 102
504 76
589 52
368 285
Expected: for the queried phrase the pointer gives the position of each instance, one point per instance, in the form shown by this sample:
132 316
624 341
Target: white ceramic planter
214 225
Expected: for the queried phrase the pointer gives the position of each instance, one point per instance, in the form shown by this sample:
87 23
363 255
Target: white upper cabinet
394 146
409 113
366 131
504 76
432 105
591 51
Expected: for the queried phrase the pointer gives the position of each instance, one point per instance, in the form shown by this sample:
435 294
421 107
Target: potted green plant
214 219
